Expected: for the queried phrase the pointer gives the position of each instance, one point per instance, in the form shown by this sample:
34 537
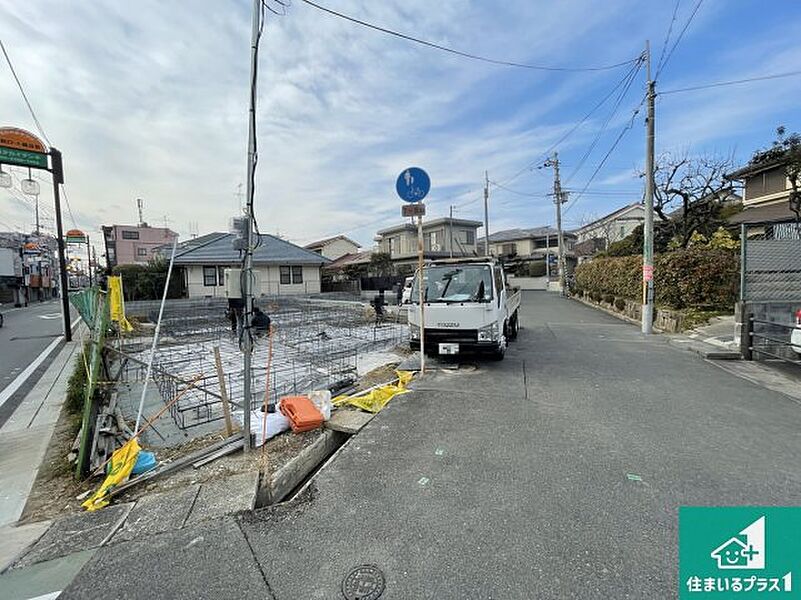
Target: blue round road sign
413 184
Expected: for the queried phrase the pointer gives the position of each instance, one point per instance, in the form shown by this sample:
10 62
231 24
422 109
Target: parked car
795 335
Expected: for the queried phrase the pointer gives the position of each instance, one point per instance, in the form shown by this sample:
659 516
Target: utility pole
58 178
89 260
450 226
648 226
247 271
37 216
486 214
547 256
559 197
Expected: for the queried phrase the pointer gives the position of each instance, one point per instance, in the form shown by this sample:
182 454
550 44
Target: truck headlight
488 333
414 332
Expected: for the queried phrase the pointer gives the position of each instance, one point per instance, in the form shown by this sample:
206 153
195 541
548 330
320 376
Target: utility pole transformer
247 271
648 226
559 198
486 214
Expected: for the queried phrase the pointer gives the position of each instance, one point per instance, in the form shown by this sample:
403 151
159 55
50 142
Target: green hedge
146 282
698 277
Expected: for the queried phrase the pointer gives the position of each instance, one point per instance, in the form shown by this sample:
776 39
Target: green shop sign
22 158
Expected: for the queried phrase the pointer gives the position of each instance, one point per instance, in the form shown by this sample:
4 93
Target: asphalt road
510 481
26 332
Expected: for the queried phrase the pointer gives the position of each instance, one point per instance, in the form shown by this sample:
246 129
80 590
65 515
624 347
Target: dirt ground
56 491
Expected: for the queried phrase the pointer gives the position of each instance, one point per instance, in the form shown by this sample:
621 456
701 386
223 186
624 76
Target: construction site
314 344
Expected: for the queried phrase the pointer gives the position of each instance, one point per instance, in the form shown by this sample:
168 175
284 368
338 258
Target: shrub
699 277
620 303
608 298
76 384
146 282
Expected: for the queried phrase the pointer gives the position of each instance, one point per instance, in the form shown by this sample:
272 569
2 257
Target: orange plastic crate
303 415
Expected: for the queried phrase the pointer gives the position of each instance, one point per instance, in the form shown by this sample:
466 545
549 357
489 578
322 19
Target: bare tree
689 193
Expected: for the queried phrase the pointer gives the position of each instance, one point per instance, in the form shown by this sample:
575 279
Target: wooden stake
229 428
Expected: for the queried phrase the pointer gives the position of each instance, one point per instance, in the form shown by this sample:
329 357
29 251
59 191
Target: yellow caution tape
119 469
377 398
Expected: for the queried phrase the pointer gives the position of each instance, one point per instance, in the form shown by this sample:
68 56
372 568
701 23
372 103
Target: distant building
530 243
134 244
279 267
400 241
334 247
617 225
28 268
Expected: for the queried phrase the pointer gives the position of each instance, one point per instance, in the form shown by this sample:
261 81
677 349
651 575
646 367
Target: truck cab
468 308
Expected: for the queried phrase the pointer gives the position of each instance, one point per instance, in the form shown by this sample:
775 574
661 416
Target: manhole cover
365 582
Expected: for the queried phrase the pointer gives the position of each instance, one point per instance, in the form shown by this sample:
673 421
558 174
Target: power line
605 124
511 191
678 38
573 129
39 127
461 53
667 37
623 132
732 82
24 95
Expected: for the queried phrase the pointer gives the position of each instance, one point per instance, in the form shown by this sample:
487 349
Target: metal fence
770 262
770 290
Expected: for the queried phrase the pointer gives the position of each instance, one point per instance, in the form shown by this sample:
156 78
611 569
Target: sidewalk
23 441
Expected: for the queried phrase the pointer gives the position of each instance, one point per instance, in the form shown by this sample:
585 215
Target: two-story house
519 247
134 244
598 234
442 238
334 247
766 193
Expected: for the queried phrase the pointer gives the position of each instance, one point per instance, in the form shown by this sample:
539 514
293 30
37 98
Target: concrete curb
704 350
292 474
610 312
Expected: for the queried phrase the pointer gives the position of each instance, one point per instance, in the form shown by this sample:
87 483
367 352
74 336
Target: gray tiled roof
509 235
272 250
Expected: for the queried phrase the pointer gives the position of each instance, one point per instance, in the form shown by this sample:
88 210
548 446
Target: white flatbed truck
469 308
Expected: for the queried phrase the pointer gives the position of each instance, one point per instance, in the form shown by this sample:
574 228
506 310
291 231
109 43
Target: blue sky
149 100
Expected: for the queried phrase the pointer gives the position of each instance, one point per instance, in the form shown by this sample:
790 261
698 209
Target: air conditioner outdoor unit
435 247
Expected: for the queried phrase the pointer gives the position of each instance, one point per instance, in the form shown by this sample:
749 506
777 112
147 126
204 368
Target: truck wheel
499 352
513 327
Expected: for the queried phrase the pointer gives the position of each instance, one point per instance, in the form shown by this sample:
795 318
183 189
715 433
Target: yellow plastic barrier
119 468
377 398
117 303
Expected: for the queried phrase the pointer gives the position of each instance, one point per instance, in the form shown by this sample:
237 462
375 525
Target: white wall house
400 241
613 227
334 247
279 267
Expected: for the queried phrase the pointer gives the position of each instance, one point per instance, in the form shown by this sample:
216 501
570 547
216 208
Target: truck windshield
455 283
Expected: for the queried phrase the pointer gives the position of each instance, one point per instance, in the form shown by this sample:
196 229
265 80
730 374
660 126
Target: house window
509 249
209 276
297 274
221 275
130 235
141 251
285 273
622 231
468 236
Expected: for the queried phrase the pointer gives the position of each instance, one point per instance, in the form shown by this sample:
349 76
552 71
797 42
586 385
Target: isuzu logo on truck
448 324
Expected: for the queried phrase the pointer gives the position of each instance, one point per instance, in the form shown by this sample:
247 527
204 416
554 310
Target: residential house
28 268
526 245
442 238
598 234
134 244
345 266
279 267
334 247
766 193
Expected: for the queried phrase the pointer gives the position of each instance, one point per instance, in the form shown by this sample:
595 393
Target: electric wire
730 82
667 37
678 38
622 133
461 53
